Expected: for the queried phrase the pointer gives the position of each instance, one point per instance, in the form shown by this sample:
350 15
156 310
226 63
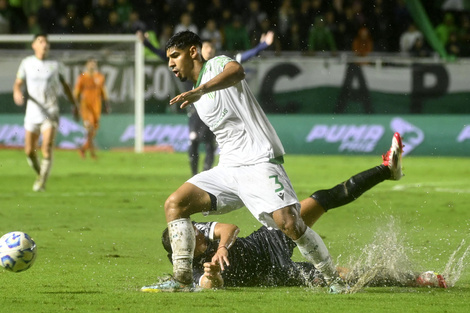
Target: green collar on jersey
277 160
200 74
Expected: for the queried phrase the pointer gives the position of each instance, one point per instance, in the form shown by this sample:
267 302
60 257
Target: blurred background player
90 91
42 78
198 131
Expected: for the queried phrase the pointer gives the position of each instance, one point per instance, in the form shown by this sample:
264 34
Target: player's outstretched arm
232 74
143 38
265 41
227 234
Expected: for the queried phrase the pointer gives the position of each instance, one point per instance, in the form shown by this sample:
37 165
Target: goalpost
139 73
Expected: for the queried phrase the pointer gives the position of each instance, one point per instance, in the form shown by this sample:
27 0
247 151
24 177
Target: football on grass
17 251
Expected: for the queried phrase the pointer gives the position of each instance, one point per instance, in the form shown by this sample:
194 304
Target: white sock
312 247
34 163
46 165
183 243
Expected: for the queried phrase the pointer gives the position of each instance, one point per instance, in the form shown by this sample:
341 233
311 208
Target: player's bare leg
185 201
30 149
90 141
48 137
310 245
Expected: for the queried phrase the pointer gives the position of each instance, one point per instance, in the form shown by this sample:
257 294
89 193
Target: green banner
301 134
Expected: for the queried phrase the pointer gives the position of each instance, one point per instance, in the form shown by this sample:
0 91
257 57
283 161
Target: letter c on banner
267 99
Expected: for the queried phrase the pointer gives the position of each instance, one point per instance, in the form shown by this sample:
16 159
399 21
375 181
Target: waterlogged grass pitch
98 229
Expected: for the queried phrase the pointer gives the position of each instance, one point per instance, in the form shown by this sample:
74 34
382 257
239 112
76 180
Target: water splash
386 262
456 264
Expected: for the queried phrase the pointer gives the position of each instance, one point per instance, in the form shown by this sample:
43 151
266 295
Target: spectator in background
31 6
165 34
133 24
123 9
74 20
100 11
293 42
286 16
87 27
236 36
149 12
186 23
420 49
320 38
332 25
379 25
348 27
445 28
464 35
5 18
19 18
318 8
253 20
304 20
453 46
408 38
363 44
212 33
215 11
47 16
62 26
32 26
114 25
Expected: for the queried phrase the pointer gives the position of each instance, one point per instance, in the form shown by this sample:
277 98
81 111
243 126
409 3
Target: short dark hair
39 35
184 39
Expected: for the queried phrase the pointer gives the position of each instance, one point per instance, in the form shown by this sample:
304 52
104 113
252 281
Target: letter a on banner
349 93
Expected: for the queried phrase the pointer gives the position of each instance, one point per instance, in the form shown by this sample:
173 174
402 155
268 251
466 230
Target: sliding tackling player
268 252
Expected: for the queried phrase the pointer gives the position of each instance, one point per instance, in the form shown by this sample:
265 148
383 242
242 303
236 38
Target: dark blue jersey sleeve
159 52
245 56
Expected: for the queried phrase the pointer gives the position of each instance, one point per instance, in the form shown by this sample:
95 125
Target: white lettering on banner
111 74
412 135
162 83
361 138
162 134
127 84
129 134
11 135
71 134
464 134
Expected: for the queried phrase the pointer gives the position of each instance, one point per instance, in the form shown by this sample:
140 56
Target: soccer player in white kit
249 173
42 78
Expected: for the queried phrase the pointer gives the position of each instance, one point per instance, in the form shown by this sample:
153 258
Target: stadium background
340 102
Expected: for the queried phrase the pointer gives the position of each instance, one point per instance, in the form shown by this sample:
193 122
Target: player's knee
290 223
174 209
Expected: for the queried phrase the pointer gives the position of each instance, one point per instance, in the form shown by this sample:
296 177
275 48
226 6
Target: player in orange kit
90 90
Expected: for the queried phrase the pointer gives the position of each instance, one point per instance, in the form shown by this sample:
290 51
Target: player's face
201 245
41 47
208 50
91 65
180 62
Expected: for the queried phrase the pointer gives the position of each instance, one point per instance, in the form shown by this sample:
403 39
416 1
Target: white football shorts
263 188
38 128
